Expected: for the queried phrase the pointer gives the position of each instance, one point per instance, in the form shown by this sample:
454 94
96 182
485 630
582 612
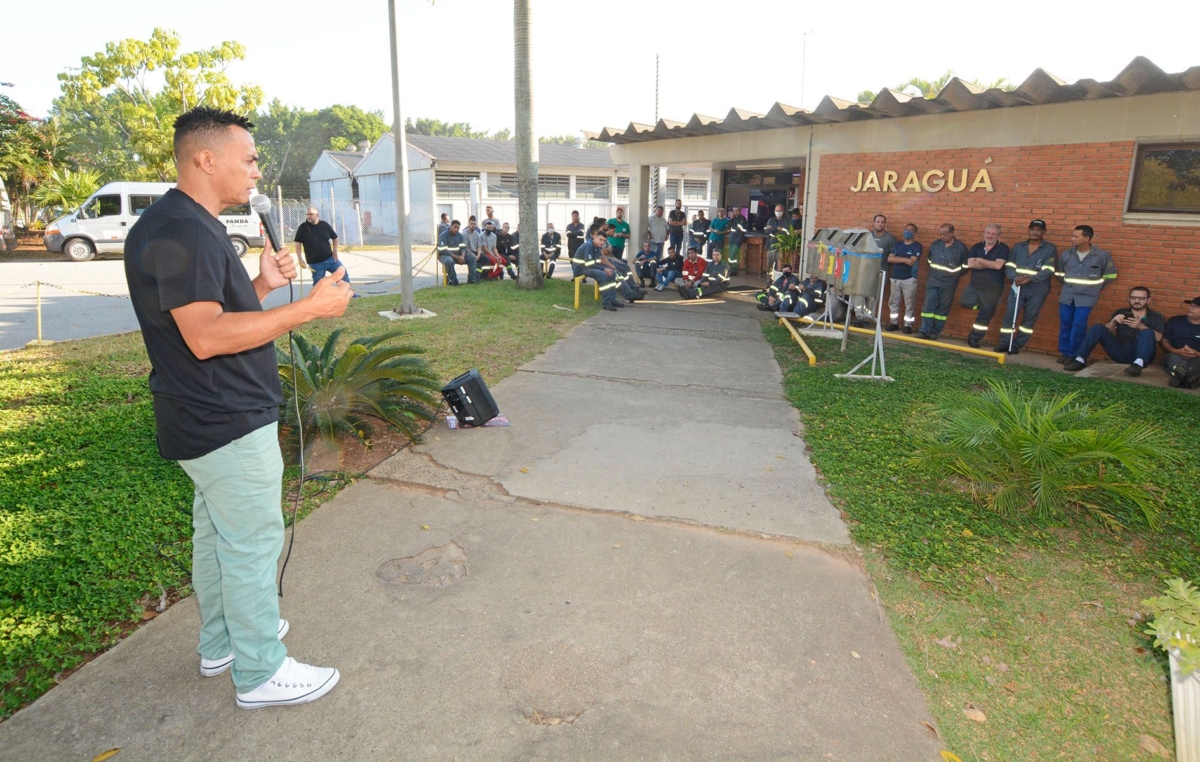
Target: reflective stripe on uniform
936 266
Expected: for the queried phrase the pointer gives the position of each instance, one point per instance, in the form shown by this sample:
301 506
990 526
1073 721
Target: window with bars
671 191
554 186
1167 179
695 190
591 187
622 187
454 184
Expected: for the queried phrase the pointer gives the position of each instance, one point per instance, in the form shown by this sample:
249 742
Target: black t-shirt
678 215
984 278
1180 332
176 254
315 239
1152 320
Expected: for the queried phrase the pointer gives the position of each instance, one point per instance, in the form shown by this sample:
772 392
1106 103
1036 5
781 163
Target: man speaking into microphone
216 391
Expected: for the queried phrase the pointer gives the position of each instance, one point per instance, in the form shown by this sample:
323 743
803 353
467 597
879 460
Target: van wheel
240 247
79 250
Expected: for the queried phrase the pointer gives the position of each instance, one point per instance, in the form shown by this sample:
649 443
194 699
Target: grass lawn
1031 623
86 502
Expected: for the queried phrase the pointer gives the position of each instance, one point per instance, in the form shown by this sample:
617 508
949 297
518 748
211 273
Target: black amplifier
470 400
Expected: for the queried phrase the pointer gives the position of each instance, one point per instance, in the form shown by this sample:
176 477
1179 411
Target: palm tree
530 275
926 88
1000 84
65 190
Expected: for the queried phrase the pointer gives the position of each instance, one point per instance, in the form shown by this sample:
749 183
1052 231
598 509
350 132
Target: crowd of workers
699 257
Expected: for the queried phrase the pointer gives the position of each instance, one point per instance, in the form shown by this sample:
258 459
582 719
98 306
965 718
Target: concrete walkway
641 567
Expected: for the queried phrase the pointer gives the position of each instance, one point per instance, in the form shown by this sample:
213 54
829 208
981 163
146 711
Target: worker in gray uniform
1029 270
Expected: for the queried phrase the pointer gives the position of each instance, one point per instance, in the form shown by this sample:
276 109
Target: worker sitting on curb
1129 336
810 296
771 298
714 280
693 268
670 268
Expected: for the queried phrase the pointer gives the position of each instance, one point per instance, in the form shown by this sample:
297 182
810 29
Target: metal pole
407 305
1012 337
39 311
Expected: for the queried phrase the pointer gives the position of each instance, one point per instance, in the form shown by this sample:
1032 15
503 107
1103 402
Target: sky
594 65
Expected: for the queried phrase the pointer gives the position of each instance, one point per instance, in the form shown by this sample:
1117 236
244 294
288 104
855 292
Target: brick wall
1067 185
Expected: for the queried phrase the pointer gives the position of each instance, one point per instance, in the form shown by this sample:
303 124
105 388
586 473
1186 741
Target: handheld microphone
262 205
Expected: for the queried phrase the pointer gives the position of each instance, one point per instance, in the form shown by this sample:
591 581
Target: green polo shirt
619 226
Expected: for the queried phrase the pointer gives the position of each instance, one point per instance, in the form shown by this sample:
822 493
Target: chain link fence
357 223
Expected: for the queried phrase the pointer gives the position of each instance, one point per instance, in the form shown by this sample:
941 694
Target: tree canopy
30 149
118 109
290 140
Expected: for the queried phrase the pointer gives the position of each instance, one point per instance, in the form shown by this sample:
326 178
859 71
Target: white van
102 222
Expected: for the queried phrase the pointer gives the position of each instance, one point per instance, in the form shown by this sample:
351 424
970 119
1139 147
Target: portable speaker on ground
470 400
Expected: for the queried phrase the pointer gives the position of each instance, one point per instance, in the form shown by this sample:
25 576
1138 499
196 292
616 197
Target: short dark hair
472 219
884 216
1086 230
575 212
444 215
947 225
206 123
913 225
455 222
1140 288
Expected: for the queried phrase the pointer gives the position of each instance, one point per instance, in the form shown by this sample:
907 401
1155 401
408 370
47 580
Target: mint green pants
237 535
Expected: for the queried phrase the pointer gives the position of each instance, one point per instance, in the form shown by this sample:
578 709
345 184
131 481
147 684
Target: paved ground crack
418 471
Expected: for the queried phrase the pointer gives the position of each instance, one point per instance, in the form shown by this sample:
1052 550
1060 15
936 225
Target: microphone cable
300 431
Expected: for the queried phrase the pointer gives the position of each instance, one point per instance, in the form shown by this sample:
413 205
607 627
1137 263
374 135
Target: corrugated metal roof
348 159
504 152
1140 77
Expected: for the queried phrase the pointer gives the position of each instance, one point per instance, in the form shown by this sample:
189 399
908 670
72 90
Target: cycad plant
340 393
1020 453
789 243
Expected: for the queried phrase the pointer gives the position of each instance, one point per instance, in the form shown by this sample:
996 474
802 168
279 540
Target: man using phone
1130 335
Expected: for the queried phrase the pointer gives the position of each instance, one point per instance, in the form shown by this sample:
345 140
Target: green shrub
1020 453
340 393
1177 622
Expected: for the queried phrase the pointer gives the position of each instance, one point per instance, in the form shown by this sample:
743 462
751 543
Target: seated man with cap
1181 343
1129 336
771 299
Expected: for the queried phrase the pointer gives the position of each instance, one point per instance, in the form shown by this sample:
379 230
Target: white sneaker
214 667
292 683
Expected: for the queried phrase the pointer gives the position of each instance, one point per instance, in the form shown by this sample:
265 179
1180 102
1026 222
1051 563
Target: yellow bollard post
38 342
